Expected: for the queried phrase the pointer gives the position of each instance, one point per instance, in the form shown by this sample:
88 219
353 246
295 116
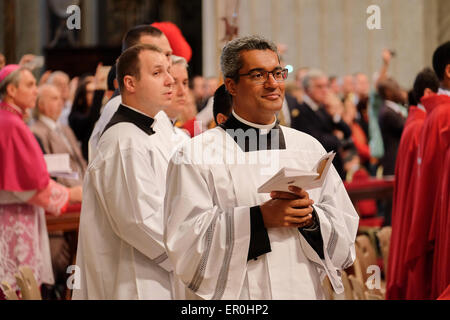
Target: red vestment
441 263
22 165
23 232
420 249
445 295
405 179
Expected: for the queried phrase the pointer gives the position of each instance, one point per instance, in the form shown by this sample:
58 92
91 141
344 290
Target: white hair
312 75
178 60
56 74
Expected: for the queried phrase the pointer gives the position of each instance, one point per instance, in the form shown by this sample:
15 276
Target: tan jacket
53 142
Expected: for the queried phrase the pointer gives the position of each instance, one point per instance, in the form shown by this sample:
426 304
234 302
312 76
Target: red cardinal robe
426 211
22 165
405 179
441 235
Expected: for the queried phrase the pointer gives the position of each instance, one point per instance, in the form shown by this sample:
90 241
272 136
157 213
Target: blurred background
328 34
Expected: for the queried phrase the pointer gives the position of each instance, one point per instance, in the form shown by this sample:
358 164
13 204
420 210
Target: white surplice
107 113
120 250
207 221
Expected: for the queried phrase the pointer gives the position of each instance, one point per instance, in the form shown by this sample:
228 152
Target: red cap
180 46
7 70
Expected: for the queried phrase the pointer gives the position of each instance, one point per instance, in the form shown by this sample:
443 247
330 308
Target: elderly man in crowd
56 137
61 81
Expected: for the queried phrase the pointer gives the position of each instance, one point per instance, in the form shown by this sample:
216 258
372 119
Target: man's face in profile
154 86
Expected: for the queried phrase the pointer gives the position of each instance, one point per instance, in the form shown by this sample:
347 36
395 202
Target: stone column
89 22
9 31
443 21
213 31
2 23
28 28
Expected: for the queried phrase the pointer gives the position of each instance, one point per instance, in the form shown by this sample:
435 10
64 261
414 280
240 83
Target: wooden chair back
9 293
365 254
348 291
373 296
328 289
358 288
27 283
384 238
357 268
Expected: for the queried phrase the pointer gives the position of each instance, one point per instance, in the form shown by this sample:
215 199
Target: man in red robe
441 265
423 282
426 83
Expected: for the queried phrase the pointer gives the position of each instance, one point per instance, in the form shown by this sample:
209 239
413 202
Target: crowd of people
190 230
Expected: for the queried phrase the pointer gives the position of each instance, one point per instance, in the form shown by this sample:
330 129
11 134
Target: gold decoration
295 113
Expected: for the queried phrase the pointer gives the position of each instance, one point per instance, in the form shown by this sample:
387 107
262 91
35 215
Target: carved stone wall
2 23
120 15
332 34
444 21
328 34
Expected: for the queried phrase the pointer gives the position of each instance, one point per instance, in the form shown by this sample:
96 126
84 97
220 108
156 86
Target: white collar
255 125
421 107
444 91
310 102
162 117
48 122
394 106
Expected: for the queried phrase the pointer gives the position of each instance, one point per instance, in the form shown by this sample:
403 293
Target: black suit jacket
320 125
391 126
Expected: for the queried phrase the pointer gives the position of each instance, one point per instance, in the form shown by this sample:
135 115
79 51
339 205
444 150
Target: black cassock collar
124 114
254 139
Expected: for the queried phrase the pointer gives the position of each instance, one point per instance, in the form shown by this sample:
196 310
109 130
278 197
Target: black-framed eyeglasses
261 76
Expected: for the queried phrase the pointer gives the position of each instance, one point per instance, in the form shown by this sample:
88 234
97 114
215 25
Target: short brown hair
129 64
133 35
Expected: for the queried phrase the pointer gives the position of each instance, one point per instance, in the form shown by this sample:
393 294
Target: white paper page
58 163
299 178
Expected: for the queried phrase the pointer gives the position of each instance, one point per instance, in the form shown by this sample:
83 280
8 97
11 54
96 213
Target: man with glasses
226 240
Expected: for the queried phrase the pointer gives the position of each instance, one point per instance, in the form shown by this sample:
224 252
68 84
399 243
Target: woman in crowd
86 107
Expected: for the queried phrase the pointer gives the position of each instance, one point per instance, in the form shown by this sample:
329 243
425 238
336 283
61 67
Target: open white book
300 178
58 165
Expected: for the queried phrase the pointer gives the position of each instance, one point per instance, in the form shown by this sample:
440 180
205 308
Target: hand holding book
305 180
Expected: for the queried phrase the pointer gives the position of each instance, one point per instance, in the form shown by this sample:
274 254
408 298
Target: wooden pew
370 189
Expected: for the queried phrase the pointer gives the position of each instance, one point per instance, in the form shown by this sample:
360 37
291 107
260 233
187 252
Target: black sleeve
342 126
94 113
41 145
259 238
313 235
394 122
83 124
329 141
